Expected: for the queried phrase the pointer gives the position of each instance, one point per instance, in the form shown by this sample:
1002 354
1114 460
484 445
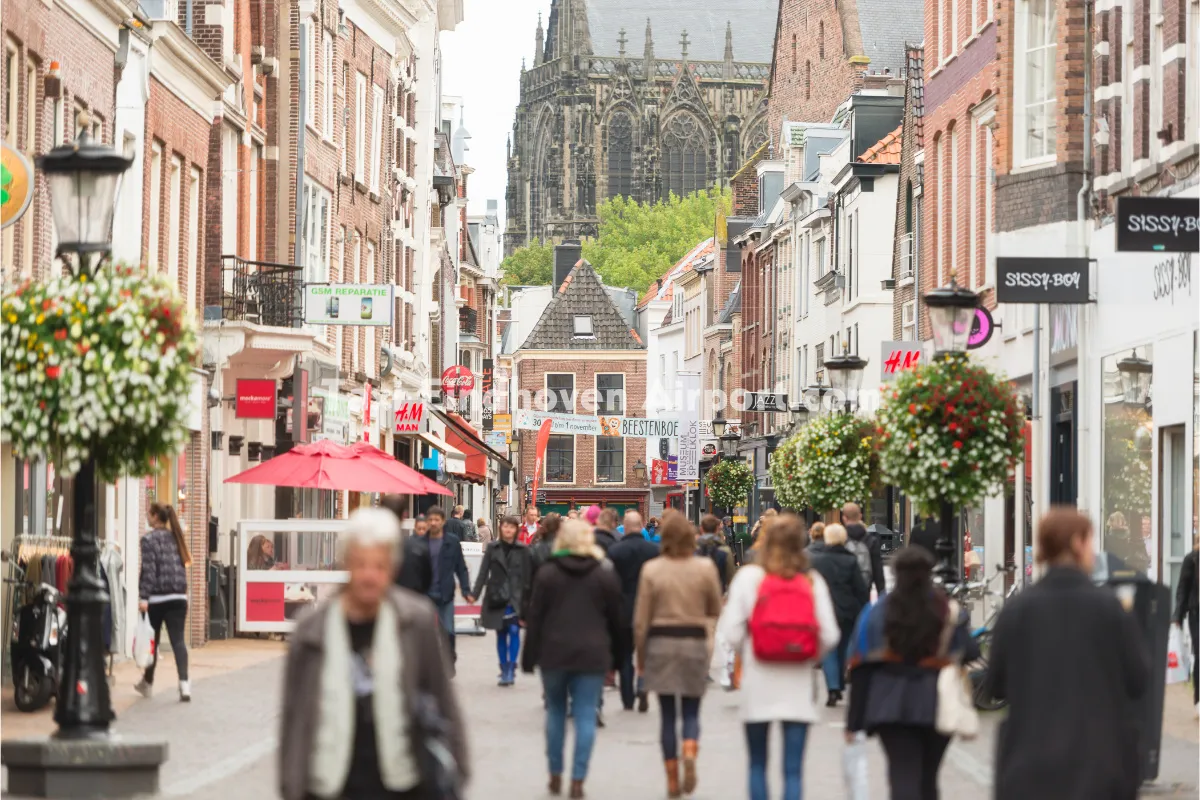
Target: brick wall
908 193
531 374
39 33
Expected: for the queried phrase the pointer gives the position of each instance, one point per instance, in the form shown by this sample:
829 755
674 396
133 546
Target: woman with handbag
905 676
506 571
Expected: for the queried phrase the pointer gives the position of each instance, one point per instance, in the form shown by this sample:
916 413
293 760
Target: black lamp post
729 443
951 313
845 377
815 391
83 176
1136 374
719 424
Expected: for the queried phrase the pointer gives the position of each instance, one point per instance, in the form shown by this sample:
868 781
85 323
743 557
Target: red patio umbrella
326 465
368 450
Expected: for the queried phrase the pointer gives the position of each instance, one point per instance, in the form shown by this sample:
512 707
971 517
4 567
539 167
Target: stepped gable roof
752 21
885 151
667 290
582 294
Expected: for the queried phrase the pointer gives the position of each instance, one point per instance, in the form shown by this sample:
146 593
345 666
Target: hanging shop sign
897 357
502 422
1042 280
486 384
689 428
16 184
1158 224
348 304
766 401
582 424
408 416
457 380
255 398
981 329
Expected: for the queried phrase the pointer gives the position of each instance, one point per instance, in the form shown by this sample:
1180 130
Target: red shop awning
460 434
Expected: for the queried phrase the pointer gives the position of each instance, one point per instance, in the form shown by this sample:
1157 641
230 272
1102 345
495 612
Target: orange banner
539 459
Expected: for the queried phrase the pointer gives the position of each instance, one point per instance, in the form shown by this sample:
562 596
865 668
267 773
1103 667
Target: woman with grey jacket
163 593
367 685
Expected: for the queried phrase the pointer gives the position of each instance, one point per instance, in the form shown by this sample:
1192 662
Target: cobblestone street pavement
222 745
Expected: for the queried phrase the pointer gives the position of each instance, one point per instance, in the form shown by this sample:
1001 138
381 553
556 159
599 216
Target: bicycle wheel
977 671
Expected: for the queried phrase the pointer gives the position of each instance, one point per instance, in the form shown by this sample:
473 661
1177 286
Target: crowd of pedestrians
372 711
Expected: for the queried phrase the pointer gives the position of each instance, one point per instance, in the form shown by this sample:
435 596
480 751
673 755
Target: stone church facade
597 120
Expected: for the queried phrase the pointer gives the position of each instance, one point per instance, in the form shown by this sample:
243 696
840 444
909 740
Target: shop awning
461 435
456 460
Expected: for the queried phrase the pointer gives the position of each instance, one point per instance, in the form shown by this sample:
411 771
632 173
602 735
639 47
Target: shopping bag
854 768
143 642
1178 658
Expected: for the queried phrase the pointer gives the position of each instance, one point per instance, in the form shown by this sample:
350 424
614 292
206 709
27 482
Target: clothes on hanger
113 566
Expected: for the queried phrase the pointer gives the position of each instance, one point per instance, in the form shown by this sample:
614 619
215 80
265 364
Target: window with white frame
193 243
376 136
560 392
820 257
610 459
560 458
154 221
327 93
1156 78
908 321
310 74
360 127
316 233
343 121
1035 81
583 326
175 198
610 393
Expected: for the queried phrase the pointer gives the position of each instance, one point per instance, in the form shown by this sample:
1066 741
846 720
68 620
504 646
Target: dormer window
583 326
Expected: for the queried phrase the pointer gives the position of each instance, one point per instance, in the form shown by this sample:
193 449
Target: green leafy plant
729 483
950 430
831 461
97 367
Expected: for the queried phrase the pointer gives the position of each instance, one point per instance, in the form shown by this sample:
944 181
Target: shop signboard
1158 224
497 440
898 357
502 422
766 401
348 304
16 184
486 385
981 329
457 380
583 424
255 398
334 416
1042 280
408 416
689 428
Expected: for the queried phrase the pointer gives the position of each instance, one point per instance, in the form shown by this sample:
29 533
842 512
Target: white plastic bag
143 642
1178 657
854 768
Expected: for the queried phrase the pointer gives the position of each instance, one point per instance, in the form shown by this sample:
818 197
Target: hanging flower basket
729 483
830 462
950 431
97 367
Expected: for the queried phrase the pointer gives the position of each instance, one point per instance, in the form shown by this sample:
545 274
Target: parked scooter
39 628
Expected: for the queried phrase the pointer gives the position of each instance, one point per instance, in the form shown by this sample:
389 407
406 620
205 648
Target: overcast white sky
481 62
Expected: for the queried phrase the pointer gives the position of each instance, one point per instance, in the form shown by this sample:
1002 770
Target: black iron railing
262 292
467 319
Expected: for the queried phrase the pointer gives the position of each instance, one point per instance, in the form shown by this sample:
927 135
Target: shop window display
1128 464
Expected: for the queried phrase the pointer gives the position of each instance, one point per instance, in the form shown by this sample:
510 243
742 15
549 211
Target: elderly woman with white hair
850 591
572 628
367 673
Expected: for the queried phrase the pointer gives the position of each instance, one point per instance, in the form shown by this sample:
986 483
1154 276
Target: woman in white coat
777 691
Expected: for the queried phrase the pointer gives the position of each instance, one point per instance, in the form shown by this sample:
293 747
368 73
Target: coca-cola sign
457 380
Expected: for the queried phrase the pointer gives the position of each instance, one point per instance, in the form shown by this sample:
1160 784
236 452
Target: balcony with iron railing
262 292
468 320
908 256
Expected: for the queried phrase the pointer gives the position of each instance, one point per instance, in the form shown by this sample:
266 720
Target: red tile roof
885 151
667 291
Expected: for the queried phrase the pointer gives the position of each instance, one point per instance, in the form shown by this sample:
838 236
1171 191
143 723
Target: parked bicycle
968 593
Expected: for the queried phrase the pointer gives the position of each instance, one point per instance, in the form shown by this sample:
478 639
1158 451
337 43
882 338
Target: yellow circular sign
16 184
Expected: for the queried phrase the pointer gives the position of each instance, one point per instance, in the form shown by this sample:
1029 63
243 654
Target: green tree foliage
638 242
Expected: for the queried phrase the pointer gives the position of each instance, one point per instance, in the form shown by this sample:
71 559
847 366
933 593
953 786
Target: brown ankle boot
555 786
672 765
576 789
691 748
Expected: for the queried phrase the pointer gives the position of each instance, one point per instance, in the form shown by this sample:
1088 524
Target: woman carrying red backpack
779 615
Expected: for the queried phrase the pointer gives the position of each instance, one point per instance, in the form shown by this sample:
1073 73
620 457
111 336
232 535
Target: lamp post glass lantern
846 376
729 443
719 424
1136 374
82 178
639 469
951 314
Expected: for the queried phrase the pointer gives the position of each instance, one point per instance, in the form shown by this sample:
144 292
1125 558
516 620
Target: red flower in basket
53 372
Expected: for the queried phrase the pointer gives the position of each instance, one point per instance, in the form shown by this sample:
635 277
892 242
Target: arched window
685 156
620 155
821 40
807 80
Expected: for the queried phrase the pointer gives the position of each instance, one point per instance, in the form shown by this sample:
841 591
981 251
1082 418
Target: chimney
566 256
877 81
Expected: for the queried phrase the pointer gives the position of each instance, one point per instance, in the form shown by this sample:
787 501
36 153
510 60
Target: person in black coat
448 564
850 594
605 532
1187 604
506 571
852 519
416 570
1072 664
572 628
628 556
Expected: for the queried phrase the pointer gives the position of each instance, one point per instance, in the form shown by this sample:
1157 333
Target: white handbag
956 714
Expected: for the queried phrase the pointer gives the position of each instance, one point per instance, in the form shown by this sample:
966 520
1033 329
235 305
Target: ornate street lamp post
729 443
845 378
951 312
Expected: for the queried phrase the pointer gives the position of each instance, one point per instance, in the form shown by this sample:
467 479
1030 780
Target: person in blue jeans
506 570
851 593
446 559
572 626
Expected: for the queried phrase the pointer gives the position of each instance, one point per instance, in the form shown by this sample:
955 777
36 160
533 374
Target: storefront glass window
1128 453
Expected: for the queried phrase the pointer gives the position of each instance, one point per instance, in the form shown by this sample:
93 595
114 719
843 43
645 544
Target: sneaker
185 691
600 719
143 688
643 704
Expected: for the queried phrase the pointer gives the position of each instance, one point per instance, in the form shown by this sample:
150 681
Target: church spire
728 68
649 54
539 44
683 43
621 40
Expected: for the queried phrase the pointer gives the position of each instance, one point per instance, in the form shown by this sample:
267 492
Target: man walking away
710 544
1187 604
606 526
456 525
446 558
628 556
857 532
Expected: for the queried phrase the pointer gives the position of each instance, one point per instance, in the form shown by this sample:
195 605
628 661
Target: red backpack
783 626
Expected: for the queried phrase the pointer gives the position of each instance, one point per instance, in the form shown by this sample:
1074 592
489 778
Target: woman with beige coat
678 598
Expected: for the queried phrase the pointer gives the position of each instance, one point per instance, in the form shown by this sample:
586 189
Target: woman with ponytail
163 592
898 649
